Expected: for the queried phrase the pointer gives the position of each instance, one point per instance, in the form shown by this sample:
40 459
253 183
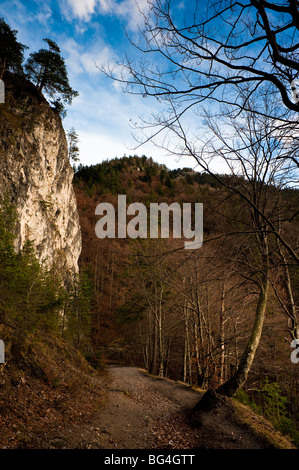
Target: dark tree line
45 68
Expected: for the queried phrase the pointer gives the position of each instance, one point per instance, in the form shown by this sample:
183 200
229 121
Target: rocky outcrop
36 174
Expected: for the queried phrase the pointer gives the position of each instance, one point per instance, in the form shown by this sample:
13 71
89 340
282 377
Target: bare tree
216 47
230 53
249 148
225 52
240 61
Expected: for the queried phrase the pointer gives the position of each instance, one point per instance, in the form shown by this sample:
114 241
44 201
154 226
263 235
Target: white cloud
82 9
25 21
131 11
96 147
127 10
80 59
44 15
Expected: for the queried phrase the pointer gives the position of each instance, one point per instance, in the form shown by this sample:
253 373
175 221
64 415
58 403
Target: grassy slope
260 426
45 386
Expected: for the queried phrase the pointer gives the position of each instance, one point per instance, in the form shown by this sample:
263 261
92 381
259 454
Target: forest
187 314
144 322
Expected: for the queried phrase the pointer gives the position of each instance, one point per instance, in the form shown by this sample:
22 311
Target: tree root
210 401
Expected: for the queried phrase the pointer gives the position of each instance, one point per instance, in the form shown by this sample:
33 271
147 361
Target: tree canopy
73 140
47 69
11 51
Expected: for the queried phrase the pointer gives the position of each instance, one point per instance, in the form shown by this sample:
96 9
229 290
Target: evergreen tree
30 294
73 140
78 311
47 69
11 51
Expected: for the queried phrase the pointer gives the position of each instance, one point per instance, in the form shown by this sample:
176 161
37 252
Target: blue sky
90 33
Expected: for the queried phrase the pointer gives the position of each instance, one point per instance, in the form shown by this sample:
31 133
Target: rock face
36 174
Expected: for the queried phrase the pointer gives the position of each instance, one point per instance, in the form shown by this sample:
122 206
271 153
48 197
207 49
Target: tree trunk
153 366
235 382
185 346
291 307
161 338
222 337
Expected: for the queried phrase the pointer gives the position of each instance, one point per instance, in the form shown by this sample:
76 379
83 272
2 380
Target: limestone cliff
36 173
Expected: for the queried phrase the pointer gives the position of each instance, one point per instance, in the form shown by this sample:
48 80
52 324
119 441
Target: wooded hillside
187 314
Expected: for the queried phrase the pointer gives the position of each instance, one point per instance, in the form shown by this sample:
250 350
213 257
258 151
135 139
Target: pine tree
31 295
73 140
47 69
11 51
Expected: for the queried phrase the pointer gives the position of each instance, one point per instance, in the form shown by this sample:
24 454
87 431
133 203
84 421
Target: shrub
274 406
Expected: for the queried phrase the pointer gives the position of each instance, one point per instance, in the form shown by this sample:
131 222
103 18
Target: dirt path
144 412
